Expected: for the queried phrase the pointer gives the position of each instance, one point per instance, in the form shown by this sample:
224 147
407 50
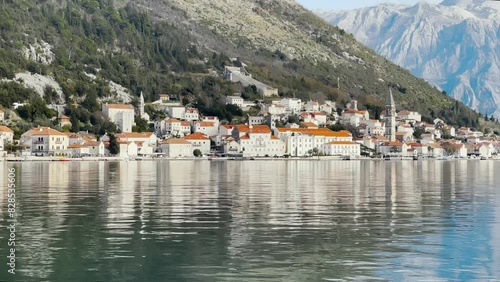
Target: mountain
454 45
93 51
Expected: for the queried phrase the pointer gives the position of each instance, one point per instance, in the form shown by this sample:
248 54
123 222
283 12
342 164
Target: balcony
39 142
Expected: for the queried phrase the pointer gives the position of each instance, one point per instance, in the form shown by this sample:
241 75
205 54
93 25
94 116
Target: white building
292 105
342 148
328 107
274 109
375 127
258 141
191 114
234 100
148 137
208 128
6 134
199 141
173 127
45 141
121 114
127 149
303 141
2 115
176 112
311 106
175 148
409 116
354 117
96 148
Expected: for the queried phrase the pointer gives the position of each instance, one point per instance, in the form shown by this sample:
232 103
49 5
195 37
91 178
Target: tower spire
390 117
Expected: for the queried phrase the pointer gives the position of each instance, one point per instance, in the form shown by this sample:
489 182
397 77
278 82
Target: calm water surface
254 221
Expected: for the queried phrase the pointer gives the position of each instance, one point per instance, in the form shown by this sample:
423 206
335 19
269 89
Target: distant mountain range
454 45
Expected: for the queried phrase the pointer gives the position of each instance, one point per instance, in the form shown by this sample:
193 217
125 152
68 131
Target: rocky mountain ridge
454 45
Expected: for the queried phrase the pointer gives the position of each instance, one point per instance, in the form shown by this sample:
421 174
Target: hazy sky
352 4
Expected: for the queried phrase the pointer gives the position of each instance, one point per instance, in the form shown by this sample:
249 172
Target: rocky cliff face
454 45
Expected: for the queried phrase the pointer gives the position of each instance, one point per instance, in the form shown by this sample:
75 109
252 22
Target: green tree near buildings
114 147
197 153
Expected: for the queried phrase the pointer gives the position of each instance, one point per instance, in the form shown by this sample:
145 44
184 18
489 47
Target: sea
252 220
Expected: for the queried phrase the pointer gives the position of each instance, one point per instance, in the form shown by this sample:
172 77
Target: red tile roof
120 106
196 136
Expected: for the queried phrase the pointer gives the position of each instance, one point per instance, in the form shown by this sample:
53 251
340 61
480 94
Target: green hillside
181 47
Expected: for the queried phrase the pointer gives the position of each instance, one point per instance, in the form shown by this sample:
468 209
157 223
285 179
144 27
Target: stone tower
141 105
390 117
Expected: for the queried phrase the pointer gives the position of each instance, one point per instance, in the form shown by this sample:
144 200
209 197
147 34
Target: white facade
175 148
409 116
127 149
45 141
121 114
148 137
6 134
258 141
342 148
292 105
191 114
176 112
2 115
274 109
302 141
311 106
199 141
172 127
206 127
234 100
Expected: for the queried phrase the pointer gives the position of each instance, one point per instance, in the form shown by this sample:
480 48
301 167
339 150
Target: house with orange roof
96 148
145 141
420 149
64 120
300 141
308 125
342 148
199 141
354 116
176 148
454 148
172 127
121 114
435 150
409 116
77 150
45 141
258 141
6 134
191 114
208 128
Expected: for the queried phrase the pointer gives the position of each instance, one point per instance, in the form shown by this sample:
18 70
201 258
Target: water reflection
255 220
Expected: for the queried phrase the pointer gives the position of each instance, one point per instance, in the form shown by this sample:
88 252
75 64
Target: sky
352 4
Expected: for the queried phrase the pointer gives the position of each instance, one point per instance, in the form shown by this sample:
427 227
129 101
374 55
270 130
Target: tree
114 147
75 123
197 153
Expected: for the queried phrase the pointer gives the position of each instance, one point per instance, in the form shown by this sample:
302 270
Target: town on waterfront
274 128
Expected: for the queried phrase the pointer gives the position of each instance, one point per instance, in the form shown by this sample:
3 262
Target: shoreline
134 159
